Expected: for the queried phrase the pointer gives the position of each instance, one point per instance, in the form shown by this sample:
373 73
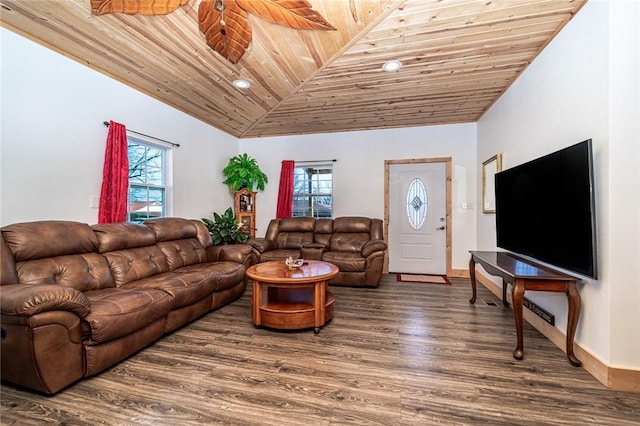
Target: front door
417 218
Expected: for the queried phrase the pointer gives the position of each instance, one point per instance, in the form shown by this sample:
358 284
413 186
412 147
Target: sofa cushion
293 240
84 272
350 233
203 234
346 261
117 312
180 253
352 224
191 284
136 264
37 240
294 232
184 289
182 241
297 224
223 274
122 235
172 228
348 241
323 231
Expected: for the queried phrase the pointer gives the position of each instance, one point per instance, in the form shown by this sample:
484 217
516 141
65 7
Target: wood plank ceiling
459 56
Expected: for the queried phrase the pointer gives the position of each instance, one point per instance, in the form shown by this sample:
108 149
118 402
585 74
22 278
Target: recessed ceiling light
391 66
241 84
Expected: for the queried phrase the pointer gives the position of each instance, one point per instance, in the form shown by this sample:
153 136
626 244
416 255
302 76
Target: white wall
624 183
585 85
53 139
359 171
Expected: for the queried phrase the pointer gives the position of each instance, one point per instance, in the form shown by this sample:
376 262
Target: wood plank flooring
400 354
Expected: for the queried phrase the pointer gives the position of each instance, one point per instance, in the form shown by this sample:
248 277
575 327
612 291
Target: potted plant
225 228
243 171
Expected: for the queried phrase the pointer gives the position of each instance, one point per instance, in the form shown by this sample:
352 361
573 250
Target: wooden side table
524 275
296 298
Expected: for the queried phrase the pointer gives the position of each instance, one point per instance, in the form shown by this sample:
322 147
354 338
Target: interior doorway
418 215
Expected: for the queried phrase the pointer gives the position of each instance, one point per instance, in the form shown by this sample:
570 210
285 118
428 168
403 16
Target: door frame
447 161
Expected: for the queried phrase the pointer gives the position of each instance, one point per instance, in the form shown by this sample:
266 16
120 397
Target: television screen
545 209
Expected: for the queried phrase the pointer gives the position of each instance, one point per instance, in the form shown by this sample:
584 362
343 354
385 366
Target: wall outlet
94 201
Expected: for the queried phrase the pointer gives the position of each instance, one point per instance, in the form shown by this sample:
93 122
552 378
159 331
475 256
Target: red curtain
115 176
285 191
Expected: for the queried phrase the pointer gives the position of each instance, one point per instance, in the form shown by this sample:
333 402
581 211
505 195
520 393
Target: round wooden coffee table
292 299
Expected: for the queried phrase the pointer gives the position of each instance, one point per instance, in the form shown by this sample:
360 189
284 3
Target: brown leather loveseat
354 244
76 299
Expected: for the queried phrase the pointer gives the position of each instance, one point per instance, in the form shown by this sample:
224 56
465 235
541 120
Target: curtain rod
316 161
106 123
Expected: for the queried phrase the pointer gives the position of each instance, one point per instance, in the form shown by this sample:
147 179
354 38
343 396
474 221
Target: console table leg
472 275
517 295
573 299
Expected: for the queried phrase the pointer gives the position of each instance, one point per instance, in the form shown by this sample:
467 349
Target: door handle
440 228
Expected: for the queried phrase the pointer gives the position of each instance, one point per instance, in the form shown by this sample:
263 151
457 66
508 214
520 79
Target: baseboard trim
612 377
458 273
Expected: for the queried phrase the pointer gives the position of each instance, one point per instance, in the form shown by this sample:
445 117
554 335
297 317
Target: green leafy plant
225 228
243 170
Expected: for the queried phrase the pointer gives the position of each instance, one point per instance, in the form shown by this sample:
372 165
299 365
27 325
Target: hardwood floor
401 354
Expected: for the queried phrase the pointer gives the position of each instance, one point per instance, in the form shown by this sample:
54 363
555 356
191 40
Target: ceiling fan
224 22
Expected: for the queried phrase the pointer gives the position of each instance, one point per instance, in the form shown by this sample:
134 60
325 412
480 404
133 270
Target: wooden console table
524 275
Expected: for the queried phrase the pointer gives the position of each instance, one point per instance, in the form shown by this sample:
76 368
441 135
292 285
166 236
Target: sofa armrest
262 244
372 246
238 253
32 299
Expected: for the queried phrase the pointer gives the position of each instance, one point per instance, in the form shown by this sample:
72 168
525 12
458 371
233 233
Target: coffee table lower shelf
289 315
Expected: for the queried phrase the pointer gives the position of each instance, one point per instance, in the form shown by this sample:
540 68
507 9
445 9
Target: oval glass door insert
417 204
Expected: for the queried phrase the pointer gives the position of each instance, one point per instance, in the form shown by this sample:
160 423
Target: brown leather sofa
354 244
76 299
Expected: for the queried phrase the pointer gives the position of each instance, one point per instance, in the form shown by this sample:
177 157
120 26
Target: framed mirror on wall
489 168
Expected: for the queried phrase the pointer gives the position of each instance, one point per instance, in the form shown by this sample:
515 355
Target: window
147 181
313 190
417 204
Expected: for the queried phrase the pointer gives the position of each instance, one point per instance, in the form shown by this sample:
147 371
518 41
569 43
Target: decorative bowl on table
293 263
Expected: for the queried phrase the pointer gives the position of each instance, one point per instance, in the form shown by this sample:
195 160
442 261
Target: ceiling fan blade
131 7
297 14
232 39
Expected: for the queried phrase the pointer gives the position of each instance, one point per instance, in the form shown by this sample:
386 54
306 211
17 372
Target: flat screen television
545 209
